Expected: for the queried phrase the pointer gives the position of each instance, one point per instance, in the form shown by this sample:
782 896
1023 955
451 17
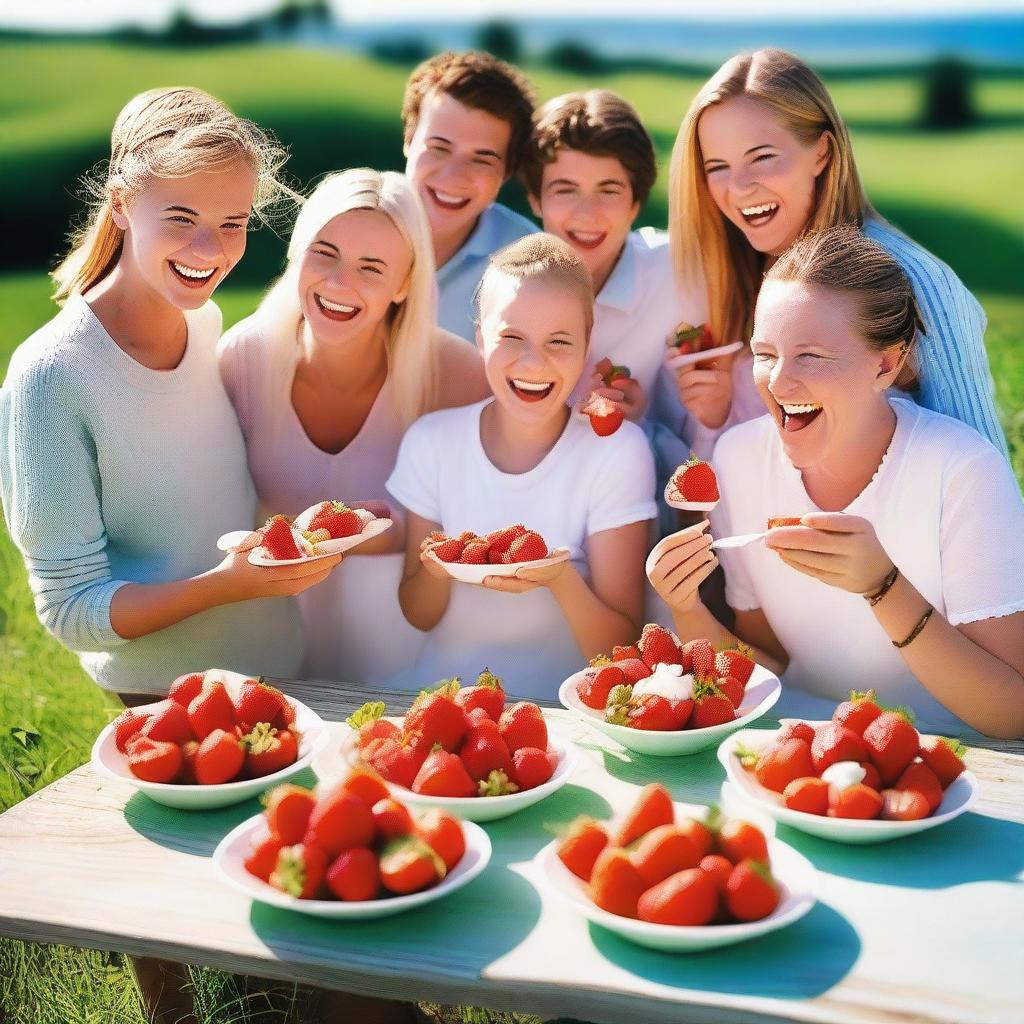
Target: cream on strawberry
668 681
844 774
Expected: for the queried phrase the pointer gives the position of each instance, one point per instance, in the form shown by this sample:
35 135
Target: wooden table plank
90 862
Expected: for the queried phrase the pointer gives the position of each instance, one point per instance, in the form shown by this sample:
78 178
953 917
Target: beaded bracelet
917 629
873 599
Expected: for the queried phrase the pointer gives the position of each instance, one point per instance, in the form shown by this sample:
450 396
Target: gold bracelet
917 629
890 579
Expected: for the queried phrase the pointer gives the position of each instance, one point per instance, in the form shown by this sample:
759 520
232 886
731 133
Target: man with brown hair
467 119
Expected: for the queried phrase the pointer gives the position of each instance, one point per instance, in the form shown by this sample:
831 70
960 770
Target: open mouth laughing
530 391
447 201
191 277
587 239
797 417
335 310
759 214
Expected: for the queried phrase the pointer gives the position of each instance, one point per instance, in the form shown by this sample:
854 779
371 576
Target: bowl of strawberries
459 748
471 557
349 851
218 738
677 877
865 776
666 698
693 487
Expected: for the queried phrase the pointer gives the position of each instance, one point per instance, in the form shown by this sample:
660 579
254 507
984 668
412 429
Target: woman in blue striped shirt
763 157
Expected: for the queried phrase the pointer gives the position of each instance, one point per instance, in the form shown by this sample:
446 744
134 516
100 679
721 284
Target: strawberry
751 893
288 809
732 688
476 716
262 858
699 834
689 338
475 553
340 821
370 723
496 784
495 557
333 516
653 712
781 763
809 794
735 663
625 653
258 701
219 758
187 774
581 845
615 884
365 784
185 687
484 751
268 750
530 547
856 801
892 743
653 807
695 481
436 718
919 778
597 683
718 867
168 723
871 776
616 709
408 864
353 876
944 757
444 835
300 871
795 730
532 767
278 541
658 646
605 416
523 725
634 669
128 723
390 818
396 760
739 840
687 897
211 709
903 805
832 743
662 852
487 693
710 707
154 760
858 712
775 521
699 658
500 541
448 550
443 774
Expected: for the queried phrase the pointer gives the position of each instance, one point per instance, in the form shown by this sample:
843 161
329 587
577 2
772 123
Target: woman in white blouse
907 571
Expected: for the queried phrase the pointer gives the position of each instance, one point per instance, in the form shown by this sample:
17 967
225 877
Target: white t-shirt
945 507
584 485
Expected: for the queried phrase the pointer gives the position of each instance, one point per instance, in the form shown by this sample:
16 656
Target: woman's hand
837 549
706 392
237 579
679 564
626 393
431 565
526 579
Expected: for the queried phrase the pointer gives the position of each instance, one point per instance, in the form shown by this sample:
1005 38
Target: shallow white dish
673 500
958 798
325 549
794 873
478 573
229 860
689 358
336 757
763 690
108 759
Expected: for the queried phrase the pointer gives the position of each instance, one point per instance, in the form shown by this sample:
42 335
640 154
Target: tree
501 39
948 102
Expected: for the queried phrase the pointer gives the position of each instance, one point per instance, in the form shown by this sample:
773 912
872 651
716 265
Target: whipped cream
668 681
844 774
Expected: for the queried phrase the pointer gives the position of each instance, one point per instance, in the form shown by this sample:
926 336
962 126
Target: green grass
957 194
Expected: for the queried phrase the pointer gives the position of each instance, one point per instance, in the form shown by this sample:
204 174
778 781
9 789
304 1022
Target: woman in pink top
341 356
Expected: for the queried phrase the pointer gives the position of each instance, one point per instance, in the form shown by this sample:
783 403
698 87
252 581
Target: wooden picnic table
930 928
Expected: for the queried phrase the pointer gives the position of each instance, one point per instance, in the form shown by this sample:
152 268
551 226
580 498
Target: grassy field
957 194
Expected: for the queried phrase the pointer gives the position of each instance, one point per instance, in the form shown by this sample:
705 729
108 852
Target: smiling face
533 335
456 158
760 175
587 201
184 235
822 383
357 265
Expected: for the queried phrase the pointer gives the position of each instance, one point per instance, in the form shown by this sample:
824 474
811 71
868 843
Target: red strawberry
340 821
435 718
735 663
695 480
336 518
127 724
775 521
625 653
448 550
699 833
892 743
185 687
615 884
408 864
581 845
258 701
495 557
443 774
652 712
857 801
653 807
444 835
944 757
858 712
688 897
718 867
523 725
288 809
476 716
658 646
711 707
484 751
501 540
781 763
689 339
475 553
919 778
903 805
167 723
739 840
300 871
211 709
154 760
528 548
390 818
871 776
354 876
269 750
263 857
663 851
751 893
809 795
699 658
532 767
795 730
187 775
365 784
597 683
834 743
487 693
633 669
278 540
371 724
219 758
605 416
732 688
396 760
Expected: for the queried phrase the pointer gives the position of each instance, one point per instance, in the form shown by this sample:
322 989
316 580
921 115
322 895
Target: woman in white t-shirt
907 571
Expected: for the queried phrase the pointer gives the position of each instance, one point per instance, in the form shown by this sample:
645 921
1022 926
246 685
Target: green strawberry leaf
369 712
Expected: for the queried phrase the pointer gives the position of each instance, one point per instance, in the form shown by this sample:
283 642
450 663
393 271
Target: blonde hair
841 259
163 133
708 249
412 353
541 255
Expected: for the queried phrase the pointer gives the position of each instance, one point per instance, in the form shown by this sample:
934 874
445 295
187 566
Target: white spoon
739 541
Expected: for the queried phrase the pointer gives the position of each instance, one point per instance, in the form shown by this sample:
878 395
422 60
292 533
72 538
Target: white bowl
689 358
762 691
961 793
794 873
193 797
325 549
478 573
232 850
334 760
